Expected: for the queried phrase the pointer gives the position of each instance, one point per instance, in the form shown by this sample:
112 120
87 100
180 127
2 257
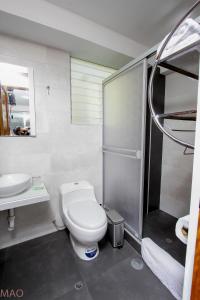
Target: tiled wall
61 152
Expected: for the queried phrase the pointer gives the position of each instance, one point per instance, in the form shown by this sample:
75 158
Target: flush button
75 182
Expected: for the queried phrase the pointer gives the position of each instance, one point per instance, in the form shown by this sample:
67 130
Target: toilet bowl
84 217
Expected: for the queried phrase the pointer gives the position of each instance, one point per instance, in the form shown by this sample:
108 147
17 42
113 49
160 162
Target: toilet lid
87 214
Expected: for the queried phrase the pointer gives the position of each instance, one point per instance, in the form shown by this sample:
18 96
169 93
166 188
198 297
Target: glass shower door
124 115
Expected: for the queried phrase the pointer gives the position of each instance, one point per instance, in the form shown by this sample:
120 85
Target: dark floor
47 268
160 227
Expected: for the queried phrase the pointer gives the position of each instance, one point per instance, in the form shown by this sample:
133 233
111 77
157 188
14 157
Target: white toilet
84 217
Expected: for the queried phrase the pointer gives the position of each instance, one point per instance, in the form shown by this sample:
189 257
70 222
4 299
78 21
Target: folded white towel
181 229
188 31
164 266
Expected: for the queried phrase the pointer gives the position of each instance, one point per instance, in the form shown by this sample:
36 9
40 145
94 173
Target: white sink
13 184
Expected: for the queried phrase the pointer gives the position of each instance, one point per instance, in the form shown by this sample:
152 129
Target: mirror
17 115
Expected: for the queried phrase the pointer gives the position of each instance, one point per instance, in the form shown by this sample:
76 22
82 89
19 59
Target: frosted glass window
86 91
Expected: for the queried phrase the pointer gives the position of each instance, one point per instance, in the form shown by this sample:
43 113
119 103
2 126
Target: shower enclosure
124 117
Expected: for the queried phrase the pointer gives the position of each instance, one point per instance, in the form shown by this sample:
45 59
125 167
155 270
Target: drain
78 285
137 264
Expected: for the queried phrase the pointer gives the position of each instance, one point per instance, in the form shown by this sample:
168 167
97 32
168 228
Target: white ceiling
19 27
145 21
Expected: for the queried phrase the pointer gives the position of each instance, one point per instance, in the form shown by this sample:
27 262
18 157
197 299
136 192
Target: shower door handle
136 154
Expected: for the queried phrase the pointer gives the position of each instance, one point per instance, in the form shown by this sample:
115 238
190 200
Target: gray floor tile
108 257
3 255
30 248
160 227
122 282
48 272
48 268
82 294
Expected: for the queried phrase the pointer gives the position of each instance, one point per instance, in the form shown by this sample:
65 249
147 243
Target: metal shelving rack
184 61
178 60
187 115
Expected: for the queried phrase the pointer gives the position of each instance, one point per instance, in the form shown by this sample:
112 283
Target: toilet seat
87 214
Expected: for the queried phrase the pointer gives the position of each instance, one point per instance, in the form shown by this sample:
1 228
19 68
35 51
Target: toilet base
84 252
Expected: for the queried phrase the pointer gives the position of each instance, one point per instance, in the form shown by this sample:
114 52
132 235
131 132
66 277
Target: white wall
61 152
180 94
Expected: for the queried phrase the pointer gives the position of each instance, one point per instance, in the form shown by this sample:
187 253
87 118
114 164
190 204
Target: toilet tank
76 191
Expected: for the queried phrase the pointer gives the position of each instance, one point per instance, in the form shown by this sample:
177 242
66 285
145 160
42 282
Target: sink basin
13 184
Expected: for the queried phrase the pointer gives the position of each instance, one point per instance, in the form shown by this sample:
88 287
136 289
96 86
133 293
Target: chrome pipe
155 116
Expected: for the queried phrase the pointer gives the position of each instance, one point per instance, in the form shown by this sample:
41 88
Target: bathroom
37 256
